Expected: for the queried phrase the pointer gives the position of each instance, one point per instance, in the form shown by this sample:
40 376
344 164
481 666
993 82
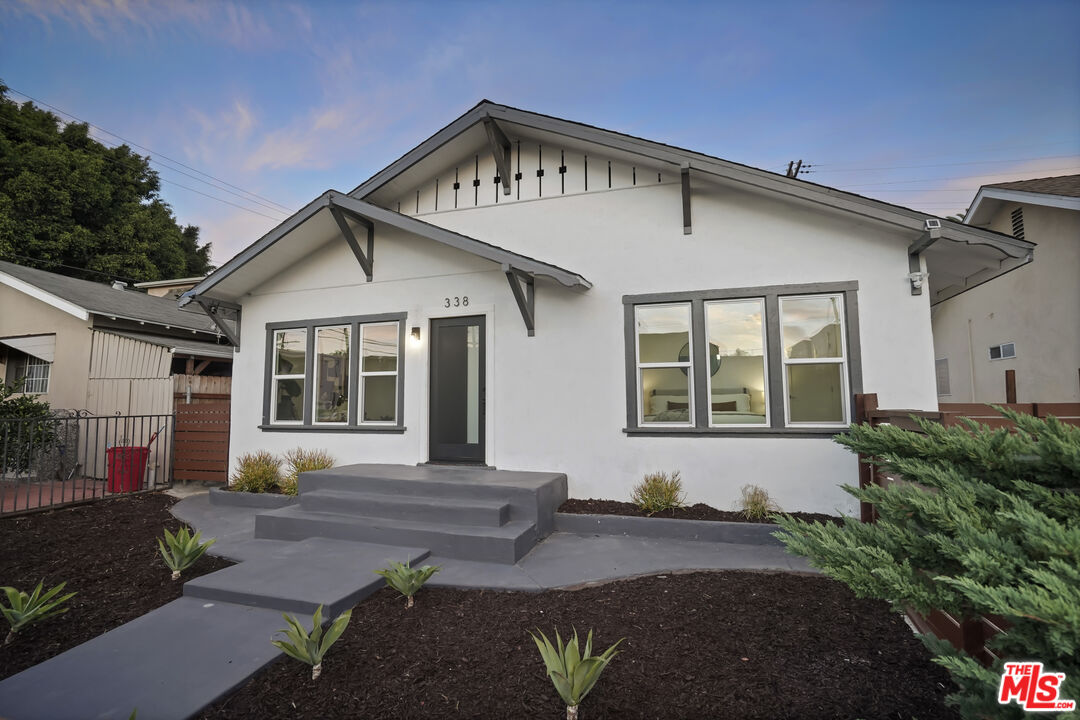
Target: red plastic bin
127 464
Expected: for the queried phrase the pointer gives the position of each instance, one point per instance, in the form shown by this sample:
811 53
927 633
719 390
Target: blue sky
916 103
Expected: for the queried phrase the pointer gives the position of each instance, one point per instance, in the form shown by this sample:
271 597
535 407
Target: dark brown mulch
700 645
107 552
700 511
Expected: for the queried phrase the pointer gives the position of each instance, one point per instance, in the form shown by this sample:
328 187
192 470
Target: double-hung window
775 360
335 375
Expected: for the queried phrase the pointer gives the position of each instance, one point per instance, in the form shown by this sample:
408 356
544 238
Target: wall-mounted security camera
917 279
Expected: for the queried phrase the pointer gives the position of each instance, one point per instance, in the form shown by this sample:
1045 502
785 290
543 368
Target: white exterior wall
1036 307
557 401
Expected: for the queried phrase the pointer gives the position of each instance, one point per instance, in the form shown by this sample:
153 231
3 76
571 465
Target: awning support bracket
500 149
366 260
525 298
214 310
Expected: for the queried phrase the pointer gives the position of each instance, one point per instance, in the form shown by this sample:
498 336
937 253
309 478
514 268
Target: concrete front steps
455 512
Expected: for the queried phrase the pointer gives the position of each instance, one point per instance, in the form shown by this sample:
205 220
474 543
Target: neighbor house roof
181 346
83 298
1059 192
969 257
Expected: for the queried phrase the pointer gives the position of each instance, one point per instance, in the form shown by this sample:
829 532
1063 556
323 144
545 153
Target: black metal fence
75 457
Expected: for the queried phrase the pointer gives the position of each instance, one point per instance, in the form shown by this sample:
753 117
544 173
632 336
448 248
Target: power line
146 149
54 264
42 134
960 177
972 162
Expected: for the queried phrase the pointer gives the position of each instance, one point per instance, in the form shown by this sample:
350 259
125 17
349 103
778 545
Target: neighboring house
87 346
171 289
1028 320
531 293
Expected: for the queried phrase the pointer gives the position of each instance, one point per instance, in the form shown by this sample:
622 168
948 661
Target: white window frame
31 384
764 360
275 377
315 377
842 361
361 374
689 365
1001 351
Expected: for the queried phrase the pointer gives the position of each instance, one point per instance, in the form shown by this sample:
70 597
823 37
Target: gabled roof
82 298
1063 185
217 283
1059 192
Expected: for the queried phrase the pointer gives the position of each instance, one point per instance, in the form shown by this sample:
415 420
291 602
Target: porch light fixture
416 336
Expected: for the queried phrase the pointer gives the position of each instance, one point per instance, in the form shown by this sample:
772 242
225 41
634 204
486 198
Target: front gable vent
1018 223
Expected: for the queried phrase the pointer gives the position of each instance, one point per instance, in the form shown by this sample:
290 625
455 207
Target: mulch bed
700 511
107 552
698 645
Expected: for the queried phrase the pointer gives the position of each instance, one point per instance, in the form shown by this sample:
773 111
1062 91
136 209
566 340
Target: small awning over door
43 347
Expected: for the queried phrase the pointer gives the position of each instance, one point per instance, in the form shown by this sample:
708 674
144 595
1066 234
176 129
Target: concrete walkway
180 658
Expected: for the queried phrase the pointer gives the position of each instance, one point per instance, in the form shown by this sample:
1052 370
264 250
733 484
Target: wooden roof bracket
365 259
525 298
684 171
930 235
500 149
216 310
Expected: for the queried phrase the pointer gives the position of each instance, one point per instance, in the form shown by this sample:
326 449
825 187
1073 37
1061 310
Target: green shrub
989 524
311 647
299 460
256 472
755 503
407 580
26 428
573 673
26 609
183 550
659 491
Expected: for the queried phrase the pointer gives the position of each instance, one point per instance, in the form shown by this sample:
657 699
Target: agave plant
407 580
183 549
25 609
573 673
311 647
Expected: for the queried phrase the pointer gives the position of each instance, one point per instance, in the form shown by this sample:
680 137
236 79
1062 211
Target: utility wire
44 135
54 264
960 177
146 149
972 162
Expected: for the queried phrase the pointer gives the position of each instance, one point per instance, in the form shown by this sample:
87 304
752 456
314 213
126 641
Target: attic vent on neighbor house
1018 223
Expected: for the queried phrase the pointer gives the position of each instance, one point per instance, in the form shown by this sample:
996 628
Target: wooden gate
202 442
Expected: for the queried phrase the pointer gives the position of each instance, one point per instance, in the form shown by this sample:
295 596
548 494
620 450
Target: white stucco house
531 293
1027 321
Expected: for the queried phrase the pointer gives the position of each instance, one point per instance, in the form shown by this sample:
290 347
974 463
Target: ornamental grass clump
183 549
300 460
572 672
659 491
311 647
755 503
407 580
988 523
256 472
25 609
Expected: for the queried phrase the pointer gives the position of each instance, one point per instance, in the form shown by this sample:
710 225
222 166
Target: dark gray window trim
353 425
772 294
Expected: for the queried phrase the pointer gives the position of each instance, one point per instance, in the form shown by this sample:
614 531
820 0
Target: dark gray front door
457 390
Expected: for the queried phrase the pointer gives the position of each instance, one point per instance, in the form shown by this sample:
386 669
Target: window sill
393 429
737 432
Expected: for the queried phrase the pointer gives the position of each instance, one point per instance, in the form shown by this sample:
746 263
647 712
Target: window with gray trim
335 374
757 360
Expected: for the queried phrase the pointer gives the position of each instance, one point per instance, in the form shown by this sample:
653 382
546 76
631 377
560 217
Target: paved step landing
489 513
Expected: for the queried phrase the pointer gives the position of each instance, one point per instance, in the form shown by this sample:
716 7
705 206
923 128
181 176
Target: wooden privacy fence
202 442
967 634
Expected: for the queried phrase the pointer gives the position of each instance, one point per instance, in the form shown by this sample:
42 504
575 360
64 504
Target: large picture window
780 359
335 375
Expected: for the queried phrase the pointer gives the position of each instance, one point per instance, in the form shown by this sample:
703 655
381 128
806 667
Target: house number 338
462 301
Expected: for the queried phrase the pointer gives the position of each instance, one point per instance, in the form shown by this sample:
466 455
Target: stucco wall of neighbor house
21 314
557 401
1036 306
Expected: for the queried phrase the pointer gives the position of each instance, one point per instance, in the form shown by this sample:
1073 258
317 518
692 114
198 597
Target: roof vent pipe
117 285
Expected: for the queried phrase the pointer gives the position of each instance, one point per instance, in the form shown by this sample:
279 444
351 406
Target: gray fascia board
458 241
